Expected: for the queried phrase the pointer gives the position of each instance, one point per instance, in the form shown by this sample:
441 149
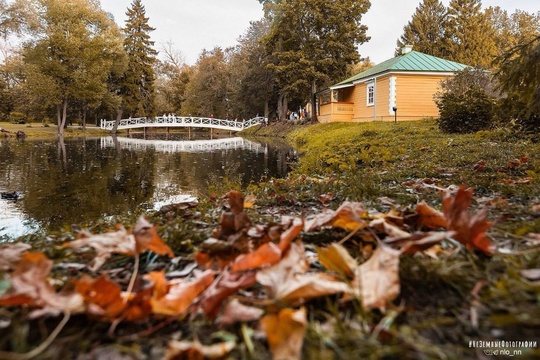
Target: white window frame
370 93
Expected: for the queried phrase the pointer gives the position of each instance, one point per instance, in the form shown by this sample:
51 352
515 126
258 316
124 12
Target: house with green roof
400 88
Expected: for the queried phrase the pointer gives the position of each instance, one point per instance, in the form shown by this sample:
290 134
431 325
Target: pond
46 185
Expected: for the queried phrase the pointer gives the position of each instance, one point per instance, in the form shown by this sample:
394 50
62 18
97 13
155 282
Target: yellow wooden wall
414 99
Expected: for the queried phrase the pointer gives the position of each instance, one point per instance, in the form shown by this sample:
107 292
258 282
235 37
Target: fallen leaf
174 297
377 280
147 238
285 333
227 284
10 254
194 350
349 216
288 236
288 282
531 274
103 297
30 286
336 258
264 255
387 228
249 201
105 245
470 229
429 217
418 241
234 311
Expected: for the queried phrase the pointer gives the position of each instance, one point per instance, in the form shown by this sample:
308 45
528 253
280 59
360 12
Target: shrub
466 102
17 117
467 112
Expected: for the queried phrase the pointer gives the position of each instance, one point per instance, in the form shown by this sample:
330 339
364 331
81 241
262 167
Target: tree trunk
119 112
282 107
85 108
62 117
313 101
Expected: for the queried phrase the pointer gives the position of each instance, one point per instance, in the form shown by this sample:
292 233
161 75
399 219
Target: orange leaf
287 281
429 217
175 297
336 258
266 254
225 286
147 238
290 234
285 333
236 201
470 230
102 295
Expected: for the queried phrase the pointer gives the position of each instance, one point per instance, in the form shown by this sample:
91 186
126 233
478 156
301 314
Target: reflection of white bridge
172 146
182 121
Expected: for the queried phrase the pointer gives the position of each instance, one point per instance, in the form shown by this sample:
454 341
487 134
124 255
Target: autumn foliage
247 273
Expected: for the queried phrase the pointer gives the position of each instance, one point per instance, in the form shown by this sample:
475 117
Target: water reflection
83 180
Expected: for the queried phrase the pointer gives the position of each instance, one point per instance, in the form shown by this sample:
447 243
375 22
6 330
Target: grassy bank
448 297
38 130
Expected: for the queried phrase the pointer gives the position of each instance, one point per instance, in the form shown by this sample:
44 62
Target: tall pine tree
425 31
469 34
312 42
138 87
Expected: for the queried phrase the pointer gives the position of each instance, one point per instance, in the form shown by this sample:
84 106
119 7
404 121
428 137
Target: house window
371 94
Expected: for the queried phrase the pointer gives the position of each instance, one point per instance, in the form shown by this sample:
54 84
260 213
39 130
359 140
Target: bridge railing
183 121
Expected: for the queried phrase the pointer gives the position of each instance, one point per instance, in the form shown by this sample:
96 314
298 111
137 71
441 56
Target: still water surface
88 179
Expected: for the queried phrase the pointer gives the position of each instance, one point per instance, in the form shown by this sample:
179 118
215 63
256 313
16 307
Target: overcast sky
203 24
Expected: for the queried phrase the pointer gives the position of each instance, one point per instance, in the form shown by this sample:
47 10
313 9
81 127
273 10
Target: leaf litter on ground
244 273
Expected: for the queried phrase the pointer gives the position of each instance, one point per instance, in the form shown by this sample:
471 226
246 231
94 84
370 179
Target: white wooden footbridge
170 121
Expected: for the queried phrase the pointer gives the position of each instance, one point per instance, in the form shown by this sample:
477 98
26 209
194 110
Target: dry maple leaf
224 286
176 296
288 282
285 333
266 254
147 238
377 280
30 286
194 350
105 245
105 299
418 241
470 229
429 217
336 258
349 216
10 254
234 311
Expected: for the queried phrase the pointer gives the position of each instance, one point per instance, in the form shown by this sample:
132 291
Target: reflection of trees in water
81 182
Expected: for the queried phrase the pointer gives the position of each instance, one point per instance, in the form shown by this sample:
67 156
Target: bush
467 112
17 117
467 101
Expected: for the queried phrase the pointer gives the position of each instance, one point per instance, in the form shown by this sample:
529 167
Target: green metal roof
412 61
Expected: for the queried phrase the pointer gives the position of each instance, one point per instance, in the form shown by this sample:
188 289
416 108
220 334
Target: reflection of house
407 82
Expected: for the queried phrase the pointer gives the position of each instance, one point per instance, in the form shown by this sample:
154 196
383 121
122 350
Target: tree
425 31
70 54
469 34
514 29
208 91
312 42
519 75
138 88
252 83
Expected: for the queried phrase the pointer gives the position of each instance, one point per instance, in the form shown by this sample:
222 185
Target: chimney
406 49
